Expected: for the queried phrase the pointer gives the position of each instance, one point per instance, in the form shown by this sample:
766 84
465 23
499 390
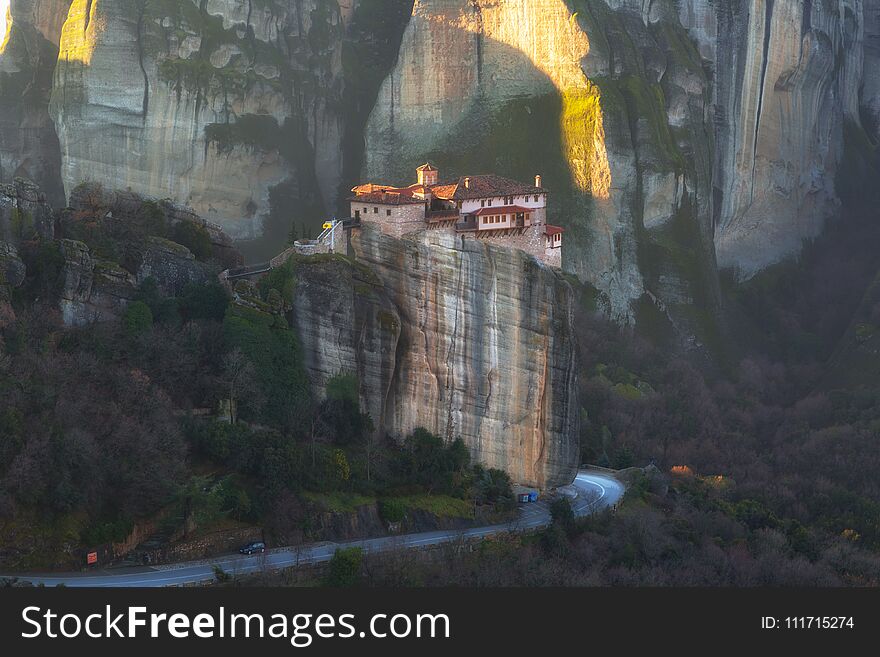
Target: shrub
137 319
274 351
343 387
194 237
345 568
392 510
204 302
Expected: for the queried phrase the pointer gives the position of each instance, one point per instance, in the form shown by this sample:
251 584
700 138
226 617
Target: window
490 203
375 210
365 210
483 203
387 213
536 198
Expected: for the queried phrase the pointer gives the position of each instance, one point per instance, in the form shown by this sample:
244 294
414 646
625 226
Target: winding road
590 492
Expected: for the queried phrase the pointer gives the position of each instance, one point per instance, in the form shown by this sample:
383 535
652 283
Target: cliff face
464 339
789 78
676 136
28 52
214 103
610 109
695 134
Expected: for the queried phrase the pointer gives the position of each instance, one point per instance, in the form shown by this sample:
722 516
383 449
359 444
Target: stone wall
402 220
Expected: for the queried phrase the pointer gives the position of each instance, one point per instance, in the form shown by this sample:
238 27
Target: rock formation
212 103
463 338
12 272
687 128
677 136
112 242
24 212
28 53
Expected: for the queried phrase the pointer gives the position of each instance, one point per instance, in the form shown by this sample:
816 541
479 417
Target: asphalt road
590 491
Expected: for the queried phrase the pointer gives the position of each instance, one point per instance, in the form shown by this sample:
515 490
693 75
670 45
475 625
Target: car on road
253 548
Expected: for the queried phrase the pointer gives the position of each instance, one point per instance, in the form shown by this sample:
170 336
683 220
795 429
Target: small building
482 207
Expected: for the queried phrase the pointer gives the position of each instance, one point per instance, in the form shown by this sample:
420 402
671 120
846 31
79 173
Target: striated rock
870 98
465 339
347 324
214 104
789 74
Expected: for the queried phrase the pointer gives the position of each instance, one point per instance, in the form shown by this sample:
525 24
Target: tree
561 513
138 318
240 380
345 568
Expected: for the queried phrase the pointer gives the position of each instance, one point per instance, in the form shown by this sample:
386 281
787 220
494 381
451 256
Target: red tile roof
387 195
484 186
505 209
553 230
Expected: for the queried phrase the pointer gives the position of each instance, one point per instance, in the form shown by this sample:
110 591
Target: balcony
441 215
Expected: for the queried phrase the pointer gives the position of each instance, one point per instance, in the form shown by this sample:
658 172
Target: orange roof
387 195
426 167
553 230
445 192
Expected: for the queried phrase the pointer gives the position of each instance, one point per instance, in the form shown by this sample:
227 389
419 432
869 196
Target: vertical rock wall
465 339
215 104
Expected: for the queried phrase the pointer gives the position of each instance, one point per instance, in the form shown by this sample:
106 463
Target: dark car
251 548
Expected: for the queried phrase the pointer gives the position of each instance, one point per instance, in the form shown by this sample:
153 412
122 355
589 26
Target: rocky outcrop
91 290
112 242
12 273
123 214
789 75
870 99
24 212
463 338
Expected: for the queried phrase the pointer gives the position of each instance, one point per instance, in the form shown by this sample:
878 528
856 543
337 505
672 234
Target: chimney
467 183
538 181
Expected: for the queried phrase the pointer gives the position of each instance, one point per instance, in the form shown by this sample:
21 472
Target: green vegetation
339 501
137 319
21 224
394 509
193 236
345 568
274 351
255 131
